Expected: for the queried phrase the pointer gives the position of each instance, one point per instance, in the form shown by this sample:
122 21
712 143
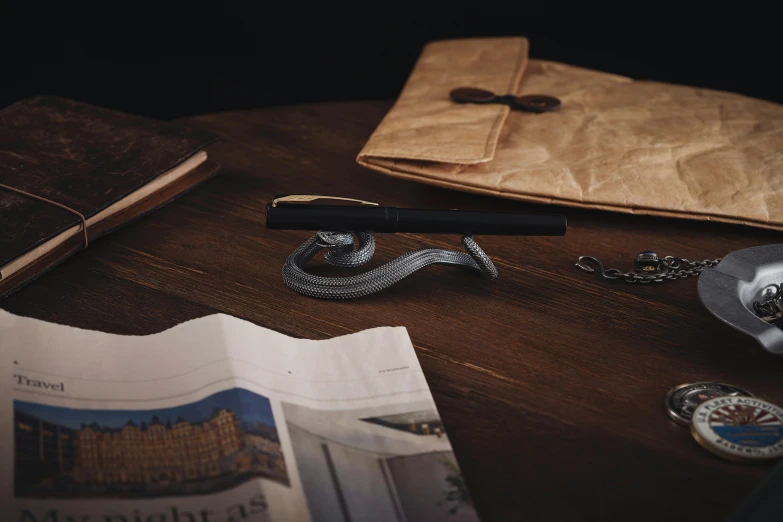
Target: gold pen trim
306 198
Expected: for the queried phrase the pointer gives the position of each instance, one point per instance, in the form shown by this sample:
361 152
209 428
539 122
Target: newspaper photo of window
202 447
389 463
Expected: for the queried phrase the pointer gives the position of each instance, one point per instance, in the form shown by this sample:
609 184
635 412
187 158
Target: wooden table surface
550 382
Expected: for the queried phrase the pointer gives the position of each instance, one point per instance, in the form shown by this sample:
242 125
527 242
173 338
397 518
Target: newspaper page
219 420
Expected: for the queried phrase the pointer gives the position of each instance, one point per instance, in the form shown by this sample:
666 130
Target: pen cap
330 217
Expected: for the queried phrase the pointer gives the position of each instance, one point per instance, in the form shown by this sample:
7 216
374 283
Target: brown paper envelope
615 144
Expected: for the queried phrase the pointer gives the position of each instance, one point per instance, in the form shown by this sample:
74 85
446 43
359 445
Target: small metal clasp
609 275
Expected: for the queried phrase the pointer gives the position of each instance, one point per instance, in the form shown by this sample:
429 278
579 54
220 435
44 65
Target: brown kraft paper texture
615 144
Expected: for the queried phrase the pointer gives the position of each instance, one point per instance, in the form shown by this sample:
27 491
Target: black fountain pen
298 213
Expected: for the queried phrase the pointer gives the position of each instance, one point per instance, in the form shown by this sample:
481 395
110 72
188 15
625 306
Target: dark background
218 57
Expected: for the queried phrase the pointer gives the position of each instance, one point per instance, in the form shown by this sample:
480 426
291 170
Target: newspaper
219 420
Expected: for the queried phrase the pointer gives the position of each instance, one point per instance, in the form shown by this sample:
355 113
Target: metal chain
677 268
649 268
771 309
658 270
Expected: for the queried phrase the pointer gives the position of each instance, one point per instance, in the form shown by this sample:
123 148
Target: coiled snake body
341 252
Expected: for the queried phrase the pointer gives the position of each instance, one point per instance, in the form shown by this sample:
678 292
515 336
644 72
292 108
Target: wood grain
550 382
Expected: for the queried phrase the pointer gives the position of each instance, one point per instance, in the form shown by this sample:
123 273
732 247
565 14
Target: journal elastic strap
49 201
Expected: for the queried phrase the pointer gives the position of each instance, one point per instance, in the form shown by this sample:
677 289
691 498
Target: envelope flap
425 124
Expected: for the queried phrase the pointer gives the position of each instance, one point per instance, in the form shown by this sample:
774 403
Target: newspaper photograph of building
202 447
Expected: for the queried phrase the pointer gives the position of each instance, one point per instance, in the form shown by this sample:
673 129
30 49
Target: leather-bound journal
66 164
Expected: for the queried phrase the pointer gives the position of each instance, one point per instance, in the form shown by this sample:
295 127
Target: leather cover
86 158
615 144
